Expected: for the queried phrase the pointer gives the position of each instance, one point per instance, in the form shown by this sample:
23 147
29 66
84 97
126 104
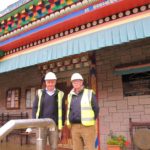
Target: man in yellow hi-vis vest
82 111
50 103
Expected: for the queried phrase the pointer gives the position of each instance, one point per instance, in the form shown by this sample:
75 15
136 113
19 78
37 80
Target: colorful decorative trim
103 23
57 38
45 8
2 53
120 31
37 12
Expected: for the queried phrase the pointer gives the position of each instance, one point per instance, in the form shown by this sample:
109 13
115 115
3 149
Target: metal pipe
28 123
40 143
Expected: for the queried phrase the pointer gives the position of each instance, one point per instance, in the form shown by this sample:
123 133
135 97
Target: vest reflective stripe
87 113
60 97
39 103
68 108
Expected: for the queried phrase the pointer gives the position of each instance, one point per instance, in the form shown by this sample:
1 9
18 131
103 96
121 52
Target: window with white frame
30 96
13 98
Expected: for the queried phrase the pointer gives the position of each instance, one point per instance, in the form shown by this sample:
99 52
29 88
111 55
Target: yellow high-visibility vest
87 113
60 97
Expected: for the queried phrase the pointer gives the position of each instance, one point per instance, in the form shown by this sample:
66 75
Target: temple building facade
107 41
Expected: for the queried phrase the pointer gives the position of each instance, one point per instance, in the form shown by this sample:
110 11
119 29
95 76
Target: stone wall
115 109
22 78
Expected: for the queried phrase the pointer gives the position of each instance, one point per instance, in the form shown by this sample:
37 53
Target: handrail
25 123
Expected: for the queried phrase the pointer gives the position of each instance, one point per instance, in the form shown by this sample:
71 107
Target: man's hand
28 130
60 135
64 135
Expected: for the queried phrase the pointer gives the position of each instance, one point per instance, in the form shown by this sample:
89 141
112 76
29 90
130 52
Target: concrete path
14 146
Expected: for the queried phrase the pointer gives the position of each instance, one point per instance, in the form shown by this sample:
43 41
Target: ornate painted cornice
32 13
64 12
127 15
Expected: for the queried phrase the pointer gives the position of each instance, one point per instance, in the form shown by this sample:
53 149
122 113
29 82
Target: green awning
136 68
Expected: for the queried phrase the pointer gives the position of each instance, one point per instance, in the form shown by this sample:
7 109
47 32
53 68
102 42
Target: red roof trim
77 21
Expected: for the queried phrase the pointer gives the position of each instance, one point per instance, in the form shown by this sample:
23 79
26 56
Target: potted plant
117 142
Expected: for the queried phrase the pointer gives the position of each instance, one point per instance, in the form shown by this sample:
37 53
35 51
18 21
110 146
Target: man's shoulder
40 91
89 90
58 90
60 93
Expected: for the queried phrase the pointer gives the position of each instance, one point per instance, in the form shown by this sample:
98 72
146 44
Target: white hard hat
76 76
50 76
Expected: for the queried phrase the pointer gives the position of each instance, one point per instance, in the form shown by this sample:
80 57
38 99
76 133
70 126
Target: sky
5 3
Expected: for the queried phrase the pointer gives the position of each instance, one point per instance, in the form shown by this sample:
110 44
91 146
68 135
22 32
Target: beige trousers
52 138
83 137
